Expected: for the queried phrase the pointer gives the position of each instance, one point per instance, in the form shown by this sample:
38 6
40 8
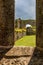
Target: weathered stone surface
17 51
6 22
39 19
17 56
37 58
19 35
34 58
16 61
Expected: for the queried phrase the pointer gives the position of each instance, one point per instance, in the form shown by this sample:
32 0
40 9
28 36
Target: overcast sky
25 9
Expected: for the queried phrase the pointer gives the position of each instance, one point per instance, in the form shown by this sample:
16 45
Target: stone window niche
21 21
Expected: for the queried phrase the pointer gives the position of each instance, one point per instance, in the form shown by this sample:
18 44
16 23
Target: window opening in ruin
25 22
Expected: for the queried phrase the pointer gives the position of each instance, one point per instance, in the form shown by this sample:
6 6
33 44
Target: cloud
25 9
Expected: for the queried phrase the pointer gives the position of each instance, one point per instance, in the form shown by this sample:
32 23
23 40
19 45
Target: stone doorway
21 21
10 26
39 24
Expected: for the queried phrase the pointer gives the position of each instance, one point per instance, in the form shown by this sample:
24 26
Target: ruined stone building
19 23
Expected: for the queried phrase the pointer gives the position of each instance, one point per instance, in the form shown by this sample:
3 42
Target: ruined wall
24 22
19 35
39 19
6 22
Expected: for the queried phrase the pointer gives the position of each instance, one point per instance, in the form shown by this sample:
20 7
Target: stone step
19 51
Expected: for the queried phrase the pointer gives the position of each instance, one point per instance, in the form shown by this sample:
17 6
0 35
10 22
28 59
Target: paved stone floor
30 56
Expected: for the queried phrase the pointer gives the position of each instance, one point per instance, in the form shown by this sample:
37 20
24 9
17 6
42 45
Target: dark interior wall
6 22
39 24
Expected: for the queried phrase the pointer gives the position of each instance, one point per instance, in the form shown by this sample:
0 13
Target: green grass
26 41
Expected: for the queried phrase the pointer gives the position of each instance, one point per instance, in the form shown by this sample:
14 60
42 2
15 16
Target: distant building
19 23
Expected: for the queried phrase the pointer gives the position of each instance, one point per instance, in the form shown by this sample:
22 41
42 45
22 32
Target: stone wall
19 35
39 19
6 22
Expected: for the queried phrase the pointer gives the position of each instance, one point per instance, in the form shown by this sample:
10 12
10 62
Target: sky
25 9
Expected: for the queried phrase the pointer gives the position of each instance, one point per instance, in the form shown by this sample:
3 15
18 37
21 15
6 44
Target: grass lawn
26 41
